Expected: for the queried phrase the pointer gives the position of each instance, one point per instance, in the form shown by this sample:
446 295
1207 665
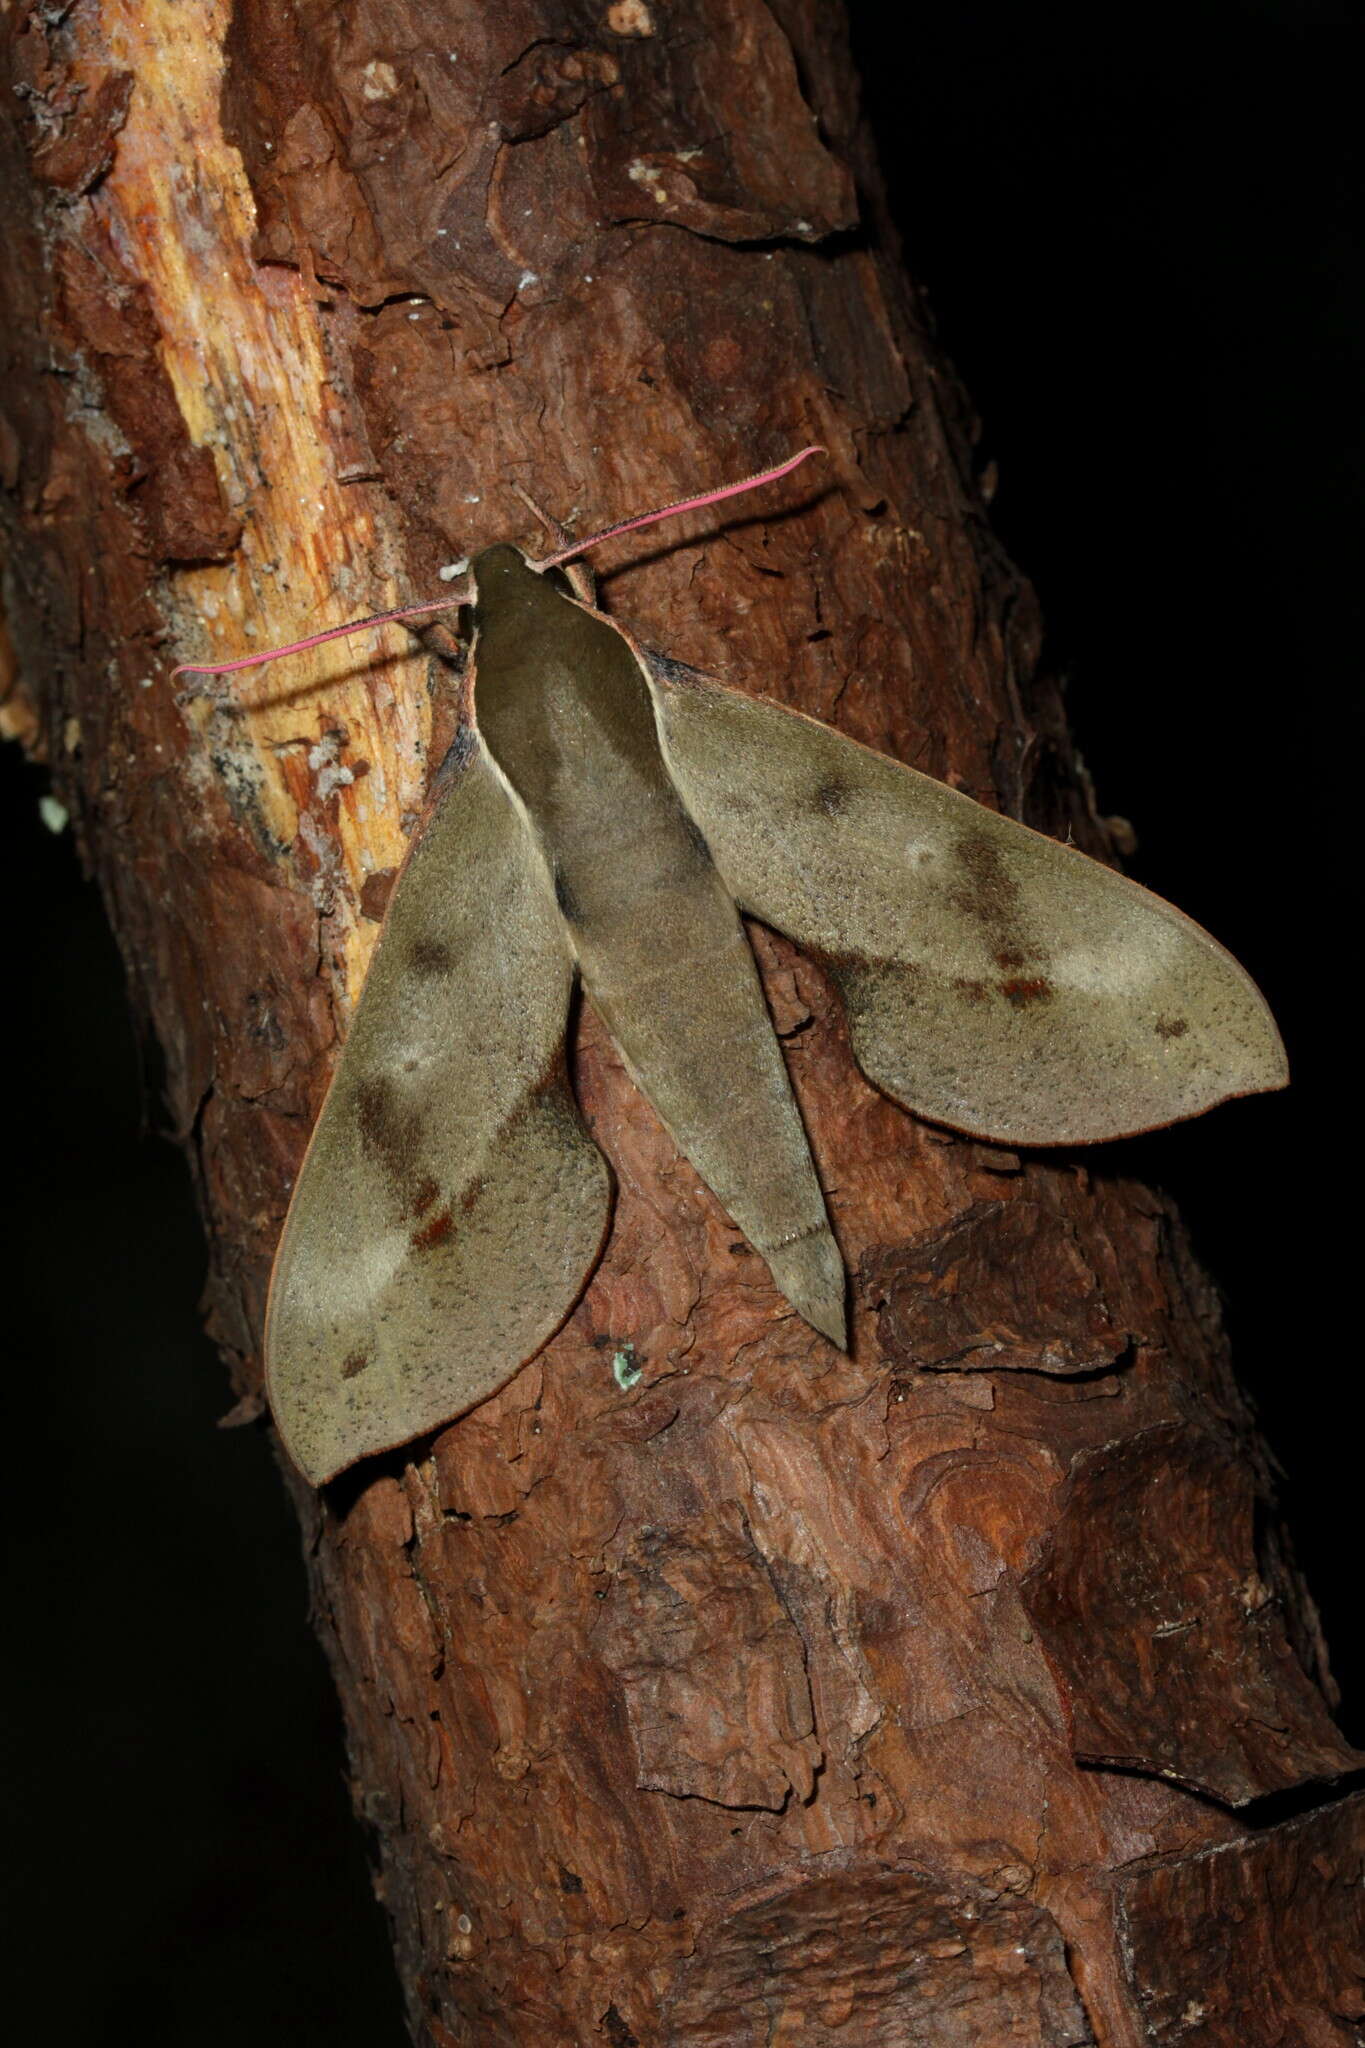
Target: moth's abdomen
675 983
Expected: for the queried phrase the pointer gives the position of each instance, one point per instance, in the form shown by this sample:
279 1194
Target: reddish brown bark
775 1697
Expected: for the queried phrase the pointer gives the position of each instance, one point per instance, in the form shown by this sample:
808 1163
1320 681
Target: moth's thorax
564 709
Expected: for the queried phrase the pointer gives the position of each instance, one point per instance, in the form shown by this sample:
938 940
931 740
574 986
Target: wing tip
322 1453
810 1273
1262 1078
1276 1071
332 1448
1263 1068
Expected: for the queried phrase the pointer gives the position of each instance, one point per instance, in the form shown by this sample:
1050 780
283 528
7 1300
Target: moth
610 818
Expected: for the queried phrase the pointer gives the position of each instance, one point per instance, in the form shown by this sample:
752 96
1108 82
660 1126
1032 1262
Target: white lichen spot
330 772
471 498
379 80
414 316
527 277
630 18
649 176
1255 1593
53 814
450 570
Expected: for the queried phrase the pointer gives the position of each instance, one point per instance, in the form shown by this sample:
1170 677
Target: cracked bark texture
933 1695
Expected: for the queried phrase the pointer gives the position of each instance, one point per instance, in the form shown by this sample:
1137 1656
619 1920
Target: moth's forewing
995 981
451 1205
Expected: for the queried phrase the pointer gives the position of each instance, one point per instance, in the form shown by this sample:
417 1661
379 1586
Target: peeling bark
912 1696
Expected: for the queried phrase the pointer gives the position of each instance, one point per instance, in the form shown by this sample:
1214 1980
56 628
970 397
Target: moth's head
502 572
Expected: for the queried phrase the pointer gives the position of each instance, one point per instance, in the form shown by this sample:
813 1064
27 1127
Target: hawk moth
608 817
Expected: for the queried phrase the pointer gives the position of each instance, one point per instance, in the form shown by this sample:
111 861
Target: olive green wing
451 1205
995 981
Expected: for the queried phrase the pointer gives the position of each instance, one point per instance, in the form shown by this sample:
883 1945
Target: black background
1140 250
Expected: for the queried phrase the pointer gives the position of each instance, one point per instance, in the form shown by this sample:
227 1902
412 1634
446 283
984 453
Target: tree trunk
920 1696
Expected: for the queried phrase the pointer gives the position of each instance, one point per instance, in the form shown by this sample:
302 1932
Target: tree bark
929 1695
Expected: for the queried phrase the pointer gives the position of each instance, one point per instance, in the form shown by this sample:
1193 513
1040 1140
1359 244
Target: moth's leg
581 580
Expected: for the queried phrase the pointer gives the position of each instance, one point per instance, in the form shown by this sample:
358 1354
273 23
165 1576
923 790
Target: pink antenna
227 668
748 483
440 604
